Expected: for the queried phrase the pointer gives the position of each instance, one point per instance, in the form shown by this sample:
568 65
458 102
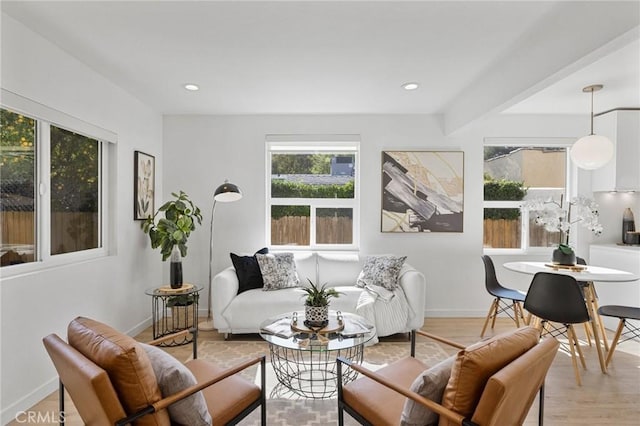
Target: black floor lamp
225 193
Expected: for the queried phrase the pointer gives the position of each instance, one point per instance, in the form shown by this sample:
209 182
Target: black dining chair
623 313
558 302
501 294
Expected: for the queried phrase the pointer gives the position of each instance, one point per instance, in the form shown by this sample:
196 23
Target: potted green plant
171 232
316 306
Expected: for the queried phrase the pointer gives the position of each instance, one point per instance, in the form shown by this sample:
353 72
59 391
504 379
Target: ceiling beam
569 37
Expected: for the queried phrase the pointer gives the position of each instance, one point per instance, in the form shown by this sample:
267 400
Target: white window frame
107 140
570 191
297 144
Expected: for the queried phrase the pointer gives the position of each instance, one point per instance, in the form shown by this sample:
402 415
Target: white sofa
244 312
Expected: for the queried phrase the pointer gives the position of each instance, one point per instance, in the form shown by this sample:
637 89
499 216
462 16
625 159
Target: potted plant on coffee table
316 306
170 233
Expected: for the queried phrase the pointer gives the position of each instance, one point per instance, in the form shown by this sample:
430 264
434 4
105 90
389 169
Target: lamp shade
227 192
592 152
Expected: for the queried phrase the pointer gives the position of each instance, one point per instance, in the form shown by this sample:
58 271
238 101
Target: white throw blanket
388 310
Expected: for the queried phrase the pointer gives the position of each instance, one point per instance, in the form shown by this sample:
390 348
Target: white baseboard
139 328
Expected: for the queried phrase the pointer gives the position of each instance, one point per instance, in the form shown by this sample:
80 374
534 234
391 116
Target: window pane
17 177
75 192
291 225
511 173
502 228
334 226
521 173
312 175
539 236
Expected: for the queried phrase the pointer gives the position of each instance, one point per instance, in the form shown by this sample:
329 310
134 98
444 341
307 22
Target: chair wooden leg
614 343
486 321
495 313
600 324
578 348
587 332
534 322
573 354
521 313
516 313
595 328
593 299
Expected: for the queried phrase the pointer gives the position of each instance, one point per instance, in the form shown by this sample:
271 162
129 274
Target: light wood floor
603 399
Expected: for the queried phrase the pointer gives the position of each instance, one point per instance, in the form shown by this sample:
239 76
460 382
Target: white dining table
589 275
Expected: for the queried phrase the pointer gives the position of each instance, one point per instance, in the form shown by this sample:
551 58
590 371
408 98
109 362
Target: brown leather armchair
492 382
111 381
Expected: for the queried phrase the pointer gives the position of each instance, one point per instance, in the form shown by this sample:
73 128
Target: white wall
202 151
110 289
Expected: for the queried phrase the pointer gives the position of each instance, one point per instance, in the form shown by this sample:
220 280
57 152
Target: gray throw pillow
430 384
172 377
382 271
278 270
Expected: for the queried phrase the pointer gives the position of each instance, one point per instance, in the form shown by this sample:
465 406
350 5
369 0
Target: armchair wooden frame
433 406
51 340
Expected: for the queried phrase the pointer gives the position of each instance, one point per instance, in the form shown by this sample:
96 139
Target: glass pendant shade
592 152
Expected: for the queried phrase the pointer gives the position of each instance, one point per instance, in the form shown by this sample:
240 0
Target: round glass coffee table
304 360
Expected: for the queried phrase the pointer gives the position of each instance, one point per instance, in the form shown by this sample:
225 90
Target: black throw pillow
248 271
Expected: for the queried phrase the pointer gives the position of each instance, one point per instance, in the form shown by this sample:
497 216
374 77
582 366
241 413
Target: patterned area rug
285 408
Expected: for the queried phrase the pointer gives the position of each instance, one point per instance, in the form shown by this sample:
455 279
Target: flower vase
176 268
316 316
563 257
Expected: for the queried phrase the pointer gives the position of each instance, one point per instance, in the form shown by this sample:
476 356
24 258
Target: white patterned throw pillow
381 271
278 271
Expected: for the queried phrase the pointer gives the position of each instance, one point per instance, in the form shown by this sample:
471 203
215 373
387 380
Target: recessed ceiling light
192 87
410 86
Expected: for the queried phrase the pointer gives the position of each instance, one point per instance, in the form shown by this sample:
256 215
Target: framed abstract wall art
144 175
422 191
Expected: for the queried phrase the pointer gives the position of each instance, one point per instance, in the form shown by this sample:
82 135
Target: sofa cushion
127 365
477 363
248 270
278 271
248 310
430 384
338 269
172 377
306 267
381 271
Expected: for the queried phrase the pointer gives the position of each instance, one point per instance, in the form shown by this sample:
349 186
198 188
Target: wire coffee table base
313 373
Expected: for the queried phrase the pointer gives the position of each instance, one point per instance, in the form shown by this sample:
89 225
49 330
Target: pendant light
593 151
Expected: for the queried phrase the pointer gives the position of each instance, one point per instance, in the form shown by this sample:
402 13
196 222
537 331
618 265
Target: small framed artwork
422 191
144 176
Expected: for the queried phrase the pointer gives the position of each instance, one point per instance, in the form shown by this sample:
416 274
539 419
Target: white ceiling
350 57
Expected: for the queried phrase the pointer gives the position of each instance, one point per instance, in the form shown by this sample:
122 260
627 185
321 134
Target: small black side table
174 310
